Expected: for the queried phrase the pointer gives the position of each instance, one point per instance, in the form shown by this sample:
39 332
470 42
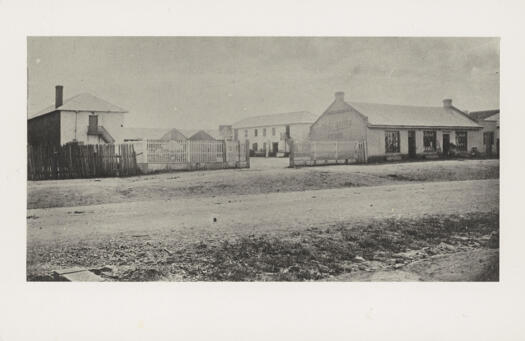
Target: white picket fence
310 153
187 154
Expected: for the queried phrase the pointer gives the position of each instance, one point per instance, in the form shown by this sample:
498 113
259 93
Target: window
488 138
392 142
288 132
429 140
264 131
245 132
255 132
254 147
273 131
461 140
93 122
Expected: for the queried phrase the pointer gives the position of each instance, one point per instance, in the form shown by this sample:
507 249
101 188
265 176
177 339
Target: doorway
275 148
446 144
411 144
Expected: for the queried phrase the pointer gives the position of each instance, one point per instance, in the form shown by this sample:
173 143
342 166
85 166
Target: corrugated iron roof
494 118
276 119
83 102
417 116
481 115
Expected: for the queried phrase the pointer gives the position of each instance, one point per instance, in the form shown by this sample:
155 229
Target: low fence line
155 155
80 161
311 153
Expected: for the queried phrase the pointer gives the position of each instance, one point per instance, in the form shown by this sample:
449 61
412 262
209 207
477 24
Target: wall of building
44 129
74 126
377 148
298 132
343 126
489 126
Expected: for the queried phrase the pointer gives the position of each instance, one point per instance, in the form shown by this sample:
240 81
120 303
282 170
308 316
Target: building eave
271 125
378 126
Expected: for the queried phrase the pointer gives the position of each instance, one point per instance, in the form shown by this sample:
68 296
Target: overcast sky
188 82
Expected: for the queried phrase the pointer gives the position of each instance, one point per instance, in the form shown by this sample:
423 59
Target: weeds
312 254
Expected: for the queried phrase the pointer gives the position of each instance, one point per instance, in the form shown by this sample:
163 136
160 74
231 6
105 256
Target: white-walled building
83 118
269 134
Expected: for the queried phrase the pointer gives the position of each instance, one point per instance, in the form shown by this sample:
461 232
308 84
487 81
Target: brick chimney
340 96
59 95
447 103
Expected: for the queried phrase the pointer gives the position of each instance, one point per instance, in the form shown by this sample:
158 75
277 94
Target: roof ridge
282 113
395 105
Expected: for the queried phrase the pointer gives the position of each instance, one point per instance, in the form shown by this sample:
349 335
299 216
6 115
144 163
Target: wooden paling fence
311 153
80 161
155 155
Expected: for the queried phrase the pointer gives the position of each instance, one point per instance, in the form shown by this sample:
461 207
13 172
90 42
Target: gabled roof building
398 131
489 120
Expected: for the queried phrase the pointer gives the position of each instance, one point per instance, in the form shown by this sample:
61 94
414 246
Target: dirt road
265 176
192 218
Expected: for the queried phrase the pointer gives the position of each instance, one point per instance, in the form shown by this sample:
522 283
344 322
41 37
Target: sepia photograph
263 159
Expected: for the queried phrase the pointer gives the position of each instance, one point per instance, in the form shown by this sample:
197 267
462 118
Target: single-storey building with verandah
394 132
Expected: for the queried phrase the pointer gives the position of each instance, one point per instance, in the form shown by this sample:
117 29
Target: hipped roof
276 119
82 102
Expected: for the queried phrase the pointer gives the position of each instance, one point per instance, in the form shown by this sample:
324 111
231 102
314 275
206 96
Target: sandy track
192 218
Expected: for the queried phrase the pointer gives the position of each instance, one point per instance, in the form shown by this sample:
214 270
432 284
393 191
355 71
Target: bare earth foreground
371 222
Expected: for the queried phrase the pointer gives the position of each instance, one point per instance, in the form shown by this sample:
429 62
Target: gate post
247 146
292 153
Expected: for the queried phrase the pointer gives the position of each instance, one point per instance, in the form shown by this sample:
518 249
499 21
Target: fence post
336 152
224 151
145 151
247 145
365 152
188 150
292 153
238 146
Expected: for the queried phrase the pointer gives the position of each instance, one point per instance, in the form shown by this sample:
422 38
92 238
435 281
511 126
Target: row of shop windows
392 141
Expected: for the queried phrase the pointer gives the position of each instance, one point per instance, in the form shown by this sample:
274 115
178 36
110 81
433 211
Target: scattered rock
77 275
445 246
359 259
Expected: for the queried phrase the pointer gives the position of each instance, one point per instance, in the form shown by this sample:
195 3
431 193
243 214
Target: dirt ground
264 176
139 224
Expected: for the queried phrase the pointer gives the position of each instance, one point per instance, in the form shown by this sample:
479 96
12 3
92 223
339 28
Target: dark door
411 144
488 139
275 148
446 144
